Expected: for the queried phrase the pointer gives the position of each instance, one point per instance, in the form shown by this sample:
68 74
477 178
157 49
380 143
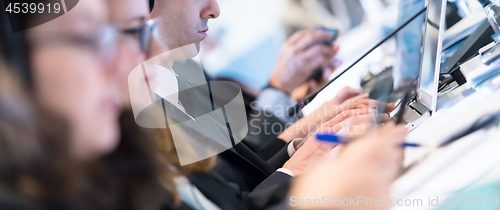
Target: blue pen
336 139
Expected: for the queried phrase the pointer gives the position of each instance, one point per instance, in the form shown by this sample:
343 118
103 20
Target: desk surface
470 162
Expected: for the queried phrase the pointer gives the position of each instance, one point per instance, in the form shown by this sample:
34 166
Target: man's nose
211 10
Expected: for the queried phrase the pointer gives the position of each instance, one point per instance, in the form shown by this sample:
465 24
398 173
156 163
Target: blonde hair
167 148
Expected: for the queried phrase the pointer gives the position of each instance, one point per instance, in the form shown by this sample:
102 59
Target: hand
356 122
379 150
365 167
348 99
301 54
313 86
311 152
324 113
353 122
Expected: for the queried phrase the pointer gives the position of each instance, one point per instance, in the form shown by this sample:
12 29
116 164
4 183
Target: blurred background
245 41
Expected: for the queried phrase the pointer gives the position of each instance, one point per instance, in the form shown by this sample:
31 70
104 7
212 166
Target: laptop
424 102
425 71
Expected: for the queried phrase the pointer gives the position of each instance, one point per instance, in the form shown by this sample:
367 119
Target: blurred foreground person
36 170
67 68
366 167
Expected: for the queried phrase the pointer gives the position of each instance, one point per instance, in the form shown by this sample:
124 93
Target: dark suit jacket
266 145
255 182
255 179
271 195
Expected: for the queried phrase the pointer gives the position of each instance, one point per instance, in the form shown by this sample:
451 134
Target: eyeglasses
102 43
145 34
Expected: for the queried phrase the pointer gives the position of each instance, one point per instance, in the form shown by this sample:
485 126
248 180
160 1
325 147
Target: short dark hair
151 5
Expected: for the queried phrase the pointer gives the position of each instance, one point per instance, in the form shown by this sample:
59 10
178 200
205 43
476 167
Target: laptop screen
406 69
431 57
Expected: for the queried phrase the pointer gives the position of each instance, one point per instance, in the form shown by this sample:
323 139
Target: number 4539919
32 8
471 201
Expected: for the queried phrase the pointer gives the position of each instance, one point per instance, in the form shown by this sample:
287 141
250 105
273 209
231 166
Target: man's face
183 22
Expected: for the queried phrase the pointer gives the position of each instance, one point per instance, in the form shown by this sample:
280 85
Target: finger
345 115
361 103
335 49
317 51
311 38
326 75
354 130
366 120
333 111
329 67
311 64
337 63
383 117
319 63
390 107
327 72
296 36
313 85
300 92
352 98
368 101
373 103
348 93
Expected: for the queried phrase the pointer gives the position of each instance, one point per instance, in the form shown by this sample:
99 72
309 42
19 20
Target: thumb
313 85
326 73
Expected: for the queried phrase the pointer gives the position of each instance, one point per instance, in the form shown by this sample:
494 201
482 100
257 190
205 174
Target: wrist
279 86
290 167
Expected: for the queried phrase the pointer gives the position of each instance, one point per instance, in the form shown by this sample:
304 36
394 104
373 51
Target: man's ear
151 5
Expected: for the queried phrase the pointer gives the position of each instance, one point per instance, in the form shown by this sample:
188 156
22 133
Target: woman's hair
33 141
33 157
131 176
14 49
